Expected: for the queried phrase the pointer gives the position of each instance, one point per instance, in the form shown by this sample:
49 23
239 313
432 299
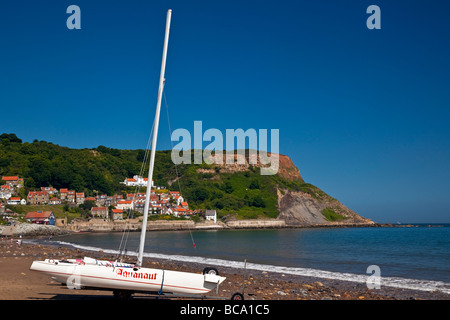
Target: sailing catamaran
126 278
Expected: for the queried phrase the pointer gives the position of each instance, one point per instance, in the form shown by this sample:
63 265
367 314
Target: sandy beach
19 283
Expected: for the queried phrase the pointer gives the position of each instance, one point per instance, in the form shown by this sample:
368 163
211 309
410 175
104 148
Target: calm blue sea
412 257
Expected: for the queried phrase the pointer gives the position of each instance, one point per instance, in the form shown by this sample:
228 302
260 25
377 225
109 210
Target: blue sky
363 113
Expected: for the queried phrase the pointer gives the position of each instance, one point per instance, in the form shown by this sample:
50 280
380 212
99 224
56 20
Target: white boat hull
126 277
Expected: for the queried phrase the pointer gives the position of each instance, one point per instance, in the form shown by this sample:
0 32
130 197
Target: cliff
237 191
302 209
299 203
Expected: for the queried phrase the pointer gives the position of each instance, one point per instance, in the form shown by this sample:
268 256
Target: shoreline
36 230
104 226
19 283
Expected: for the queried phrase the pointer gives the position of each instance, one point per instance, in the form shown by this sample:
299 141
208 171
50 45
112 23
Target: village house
63 194
6 191
166 210
139 203
136 181
211 215
79 196
37 197
71 196
155 208
184 205
117 214
99 212
41 217
133 196
125 205
50 190
139 206
164 196
109 201
179 211
101 200
14 181
164 203
178 200
154 199
54 201
16 201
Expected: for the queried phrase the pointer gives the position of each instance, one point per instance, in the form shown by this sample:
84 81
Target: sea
416 257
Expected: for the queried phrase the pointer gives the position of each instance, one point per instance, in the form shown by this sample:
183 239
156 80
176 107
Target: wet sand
19 283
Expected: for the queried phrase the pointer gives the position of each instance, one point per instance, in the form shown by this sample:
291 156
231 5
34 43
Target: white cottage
136 181
211 215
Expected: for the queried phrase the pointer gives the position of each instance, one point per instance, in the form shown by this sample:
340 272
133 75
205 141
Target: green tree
228 187
258 202
200 194
254 184
11 137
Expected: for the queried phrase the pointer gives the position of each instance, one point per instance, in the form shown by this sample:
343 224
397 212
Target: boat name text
136 275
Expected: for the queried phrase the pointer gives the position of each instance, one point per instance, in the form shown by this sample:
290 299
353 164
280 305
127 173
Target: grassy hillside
246 193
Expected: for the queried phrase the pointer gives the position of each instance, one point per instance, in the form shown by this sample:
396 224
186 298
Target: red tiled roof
10 178
99 208
36 193
37 215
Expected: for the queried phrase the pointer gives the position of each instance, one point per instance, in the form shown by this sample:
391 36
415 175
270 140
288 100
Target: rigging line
171 142
126 231
176 167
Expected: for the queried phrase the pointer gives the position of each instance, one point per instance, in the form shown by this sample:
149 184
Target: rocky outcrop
286 168
298 208
256 224
32 230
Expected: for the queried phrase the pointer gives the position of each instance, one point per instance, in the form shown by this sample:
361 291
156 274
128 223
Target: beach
19 283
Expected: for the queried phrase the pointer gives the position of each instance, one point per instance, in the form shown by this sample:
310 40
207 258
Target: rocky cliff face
286 168
308 207
298 208
313 207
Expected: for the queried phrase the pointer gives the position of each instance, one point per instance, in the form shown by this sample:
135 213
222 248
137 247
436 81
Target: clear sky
363 113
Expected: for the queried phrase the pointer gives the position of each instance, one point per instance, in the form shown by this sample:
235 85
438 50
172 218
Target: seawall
99 225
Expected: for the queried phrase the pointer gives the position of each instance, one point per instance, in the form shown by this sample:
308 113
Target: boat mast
155 135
